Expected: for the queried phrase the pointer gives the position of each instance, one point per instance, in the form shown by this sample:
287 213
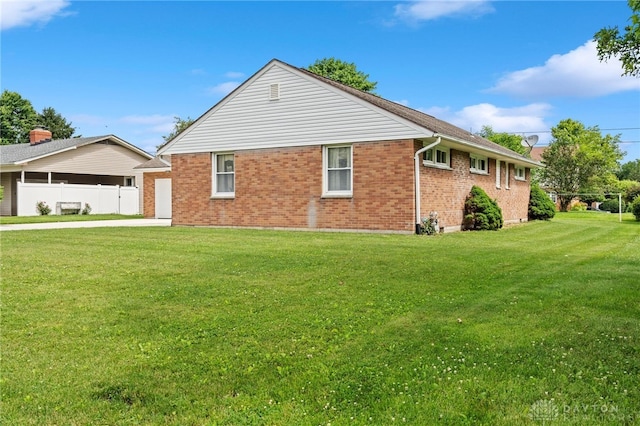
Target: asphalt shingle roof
424 120
12 154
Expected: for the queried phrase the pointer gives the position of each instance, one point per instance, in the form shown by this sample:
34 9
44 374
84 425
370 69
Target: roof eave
515 158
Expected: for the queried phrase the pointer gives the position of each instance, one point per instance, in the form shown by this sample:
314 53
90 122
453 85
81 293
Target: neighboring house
96 170
290 149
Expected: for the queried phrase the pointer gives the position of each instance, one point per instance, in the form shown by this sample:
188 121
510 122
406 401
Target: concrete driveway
87 224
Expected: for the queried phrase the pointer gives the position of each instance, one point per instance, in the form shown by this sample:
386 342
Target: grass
11 220
197 326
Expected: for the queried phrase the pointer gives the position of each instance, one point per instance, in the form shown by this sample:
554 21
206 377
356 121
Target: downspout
416 160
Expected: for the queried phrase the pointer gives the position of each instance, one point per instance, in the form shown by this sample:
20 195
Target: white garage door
163 198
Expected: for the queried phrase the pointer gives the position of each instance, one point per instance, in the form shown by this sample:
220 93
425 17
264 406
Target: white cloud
22 13
528 118
578 73
427 10
234 75
223 88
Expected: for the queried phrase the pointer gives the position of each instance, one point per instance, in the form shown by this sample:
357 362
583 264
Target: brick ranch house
290 149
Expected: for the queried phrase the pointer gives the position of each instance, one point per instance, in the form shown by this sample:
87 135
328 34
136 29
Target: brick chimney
38 135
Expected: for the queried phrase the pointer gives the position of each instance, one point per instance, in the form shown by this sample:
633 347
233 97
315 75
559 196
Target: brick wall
283 188
445 191
149 192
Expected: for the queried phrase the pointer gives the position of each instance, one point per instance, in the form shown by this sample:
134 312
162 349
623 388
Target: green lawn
9 220
197 326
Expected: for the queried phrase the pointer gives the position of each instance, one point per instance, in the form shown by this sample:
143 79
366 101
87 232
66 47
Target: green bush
541 207
481 212
579 207
631 193
611 205
635 207
43 208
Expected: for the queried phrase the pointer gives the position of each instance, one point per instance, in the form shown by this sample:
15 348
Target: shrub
481 212
541 207
87 209
43 208
631 193
635 207
611 205
430 224
579 207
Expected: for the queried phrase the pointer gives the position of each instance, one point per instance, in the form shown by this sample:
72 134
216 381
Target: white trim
475 160
506 176
214 176
516 174
326 193
498 170
434 157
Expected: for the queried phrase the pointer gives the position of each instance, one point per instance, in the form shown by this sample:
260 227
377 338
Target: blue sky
128 68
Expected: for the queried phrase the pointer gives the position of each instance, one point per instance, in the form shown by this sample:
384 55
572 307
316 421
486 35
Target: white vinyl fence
102 198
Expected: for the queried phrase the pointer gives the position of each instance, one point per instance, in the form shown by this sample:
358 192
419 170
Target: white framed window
438 156
129 181
498 169
337 171
224 175
478 164
520 173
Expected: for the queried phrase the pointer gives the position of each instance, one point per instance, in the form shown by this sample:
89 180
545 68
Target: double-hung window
338 170
223 175
478 164
437 157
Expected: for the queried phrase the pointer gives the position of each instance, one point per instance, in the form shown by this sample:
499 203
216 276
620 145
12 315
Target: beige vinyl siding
308 112
5 204
94 159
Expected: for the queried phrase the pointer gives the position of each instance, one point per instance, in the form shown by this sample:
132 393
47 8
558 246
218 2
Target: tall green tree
17 118
630 171
508 140
343 72
624 46
179 125
579 159
59 127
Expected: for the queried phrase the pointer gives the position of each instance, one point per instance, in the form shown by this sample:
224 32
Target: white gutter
501 155
416 160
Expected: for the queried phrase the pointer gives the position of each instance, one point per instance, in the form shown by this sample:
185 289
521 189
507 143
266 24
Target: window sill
520 179
223 196
436 166
330 195
479 172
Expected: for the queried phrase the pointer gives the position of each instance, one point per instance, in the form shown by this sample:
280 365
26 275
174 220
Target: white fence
102 198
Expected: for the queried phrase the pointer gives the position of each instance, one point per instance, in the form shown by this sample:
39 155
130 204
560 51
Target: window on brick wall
520 173
338 171
478 164
223 175
438 156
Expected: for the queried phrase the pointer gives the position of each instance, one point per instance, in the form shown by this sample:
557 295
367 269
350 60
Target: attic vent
274 91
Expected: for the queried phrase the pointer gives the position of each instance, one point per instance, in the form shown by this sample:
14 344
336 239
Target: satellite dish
529 141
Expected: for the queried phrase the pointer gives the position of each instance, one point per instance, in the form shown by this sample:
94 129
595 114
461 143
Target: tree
630 171
56 123
343 72
625 46
579 158
179 125
508 140
17 118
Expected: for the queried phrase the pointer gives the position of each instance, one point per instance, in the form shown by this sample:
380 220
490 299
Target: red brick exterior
149 192
445 191
283 188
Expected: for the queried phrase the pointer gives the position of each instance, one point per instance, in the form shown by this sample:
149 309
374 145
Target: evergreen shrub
541 207
481 212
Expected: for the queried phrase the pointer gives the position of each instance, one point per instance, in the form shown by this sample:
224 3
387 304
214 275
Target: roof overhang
478 149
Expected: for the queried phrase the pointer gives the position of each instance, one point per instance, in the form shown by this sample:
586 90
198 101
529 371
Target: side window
478 164
338 172
223 175
438 156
